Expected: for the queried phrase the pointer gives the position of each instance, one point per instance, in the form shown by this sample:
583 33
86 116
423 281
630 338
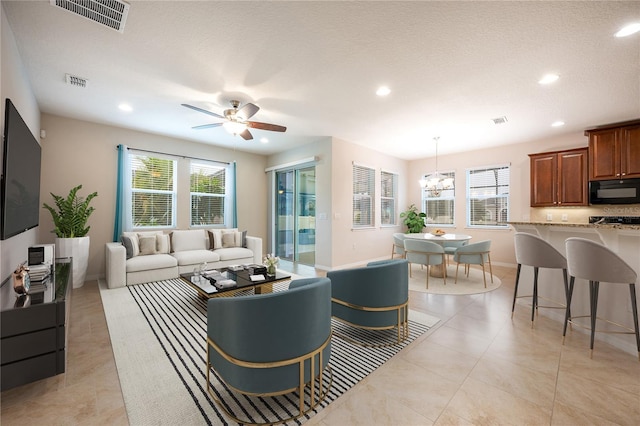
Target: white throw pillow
163 243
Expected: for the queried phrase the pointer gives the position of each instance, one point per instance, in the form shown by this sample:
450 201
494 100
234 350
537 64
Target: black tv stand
33 337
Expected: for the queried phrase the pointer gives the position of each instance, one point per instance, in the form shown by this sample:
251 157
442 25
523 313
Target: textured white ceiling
314 67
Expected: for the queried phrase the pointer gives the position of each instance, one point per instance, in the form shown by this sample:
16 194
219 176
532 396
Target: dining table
441 239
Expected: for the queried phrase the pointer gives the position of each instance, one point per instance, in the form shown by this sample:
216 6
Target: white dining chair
426 253
398 245
474 254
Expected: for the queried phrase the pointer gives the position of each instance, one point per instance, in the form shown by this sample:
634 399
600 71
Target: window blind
388 195
488 196
208 182
153 191
439 204
363 196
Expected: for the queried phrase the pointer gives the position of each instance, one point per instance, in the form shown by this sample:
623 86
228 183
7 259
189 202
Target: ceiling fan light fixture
234 127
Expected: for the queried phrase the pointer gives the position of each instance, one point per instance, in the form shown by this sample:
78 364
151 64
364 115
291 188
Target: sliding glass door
296 215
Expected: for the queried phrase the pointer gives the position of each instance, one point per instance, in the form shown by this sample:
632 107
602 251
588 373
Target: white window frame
483 191
210 166
364 188
392 219
445 194
135 159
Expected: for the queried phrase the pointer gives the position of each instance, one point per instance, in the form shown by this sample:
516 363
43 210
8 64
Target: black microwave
618 191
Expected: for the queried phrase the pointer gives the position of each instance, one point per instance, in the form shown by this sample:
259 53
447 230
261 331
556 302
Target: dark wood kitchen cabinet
614 151
559 178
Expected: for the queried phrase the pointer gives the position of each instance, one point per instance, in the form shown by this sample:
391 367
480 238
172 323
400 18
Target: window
488 197
153 191
363 196
208 189
388 194
439 204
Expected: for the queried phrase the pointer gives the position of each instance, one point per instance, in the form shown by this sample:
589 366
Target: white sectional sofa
143 257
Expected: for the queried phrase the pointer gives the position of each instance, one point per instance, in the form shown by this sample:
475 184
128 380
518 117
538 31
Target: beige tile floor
477 366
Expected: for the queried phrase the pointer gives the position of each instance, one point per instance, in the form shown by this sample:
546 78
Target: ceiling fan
237 120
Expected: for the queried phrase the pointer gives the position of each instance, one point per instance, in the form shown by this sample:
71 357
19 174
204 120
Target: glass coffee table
242 280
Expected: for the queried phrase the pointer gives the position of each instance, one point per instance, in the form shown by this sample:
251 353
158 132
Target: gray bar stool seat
596 263
532 250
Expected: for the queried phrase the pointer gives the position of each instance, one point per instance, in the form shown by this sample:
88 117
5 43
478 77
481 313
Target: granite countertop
580 225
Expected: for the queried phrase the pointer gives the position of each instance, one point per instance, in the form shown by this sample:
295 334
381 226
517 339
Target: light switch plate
549 216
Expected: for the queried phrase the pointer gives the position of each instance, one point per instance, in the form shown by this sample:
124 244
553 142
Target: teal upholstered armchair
374 297
258 344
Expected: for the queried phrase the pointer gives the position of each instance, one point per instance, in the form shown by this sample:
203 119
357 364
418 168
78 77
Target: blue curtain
121 220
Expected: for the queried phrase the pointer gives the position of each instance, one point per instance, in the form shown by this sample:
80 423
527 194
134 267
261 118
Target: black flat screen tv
20 175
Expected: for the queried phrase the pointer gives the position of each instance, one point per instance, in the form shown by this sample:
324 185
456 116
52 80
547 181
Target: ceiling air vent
74 80
110 13
499 120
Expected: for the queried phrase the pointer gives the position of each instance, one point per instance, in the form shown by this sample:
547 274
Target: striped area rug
164 380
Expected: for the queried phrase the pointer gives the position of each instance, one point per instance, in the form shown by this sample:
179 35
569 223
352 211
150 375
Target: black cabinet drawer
29 345
36 317
27 371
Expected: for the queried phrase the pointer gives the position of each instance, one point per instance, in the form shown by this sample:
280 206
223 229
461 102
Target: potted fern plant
70 217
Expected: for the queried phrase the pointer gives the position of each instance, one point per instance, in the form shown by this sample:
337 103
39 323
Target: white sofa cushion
193 257
190 239
234 253
157 261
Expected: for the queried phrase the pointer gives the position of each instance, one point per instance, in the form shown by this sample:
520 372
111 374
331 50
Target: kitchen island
614 303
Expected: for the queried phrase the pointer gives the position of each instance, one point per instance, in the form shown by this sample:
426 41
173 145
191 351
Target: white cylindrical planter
78 250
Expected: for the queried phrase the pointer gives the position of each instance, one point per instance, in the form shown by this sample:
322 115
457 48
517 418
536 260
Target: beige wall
353 247
78 152
15 86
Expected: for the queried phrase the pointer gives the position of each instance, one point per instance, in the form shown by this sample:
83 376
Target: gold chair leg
444 270
484 276
490 268
427 277
457 267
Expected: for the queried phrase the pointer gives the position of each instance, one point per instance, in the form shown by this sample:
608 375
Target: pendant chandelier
436 182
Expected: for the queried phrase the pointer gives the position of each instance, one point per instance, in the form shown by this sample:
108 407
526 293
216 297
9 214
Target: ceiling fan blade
247 111
207 126
266 126
246 135
195 108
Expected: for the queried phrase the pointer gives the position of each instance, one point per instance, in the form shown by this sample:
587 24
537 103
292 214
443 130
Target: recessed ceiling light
628 30
125 107
548 79
557 123
264 140
383 91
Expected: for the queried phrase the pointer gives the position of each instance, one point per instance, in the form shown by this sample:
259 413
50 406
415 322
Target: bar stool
594 262
532 250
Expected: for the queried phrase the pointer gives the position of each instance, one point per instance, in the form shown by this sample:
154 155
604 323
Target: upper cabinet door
572 178
630 143
604 154
544 179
